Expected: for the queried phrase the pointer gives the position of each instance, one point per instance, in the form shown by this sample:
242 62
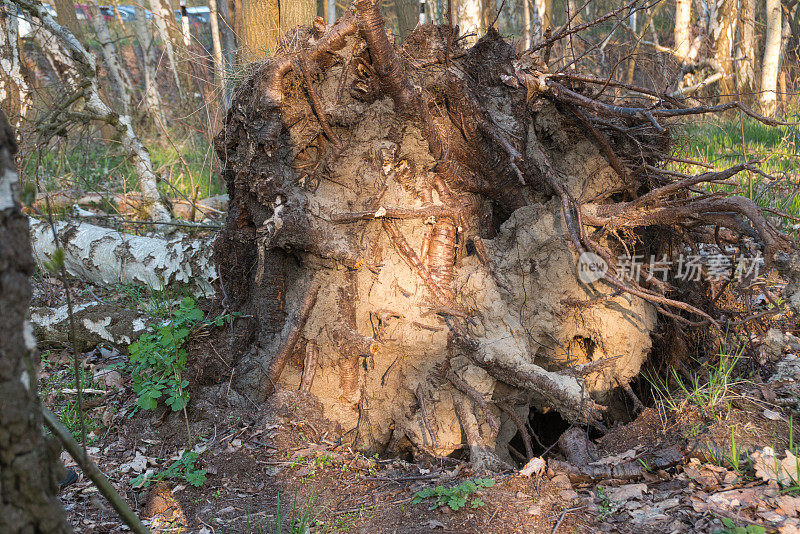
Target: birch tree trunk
772 52
106 257
330 12
542 21
683 20
118 79
407 16
259 29
14 92
746 78
164 21
467 15
703 14
226 33
216 40
82 75
29 468
185 32
723 30
149 64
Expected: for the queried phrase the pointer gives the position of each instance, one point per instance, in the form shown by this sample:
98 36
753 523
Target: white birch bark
772 51
95 323
683 19
162 16
118 79
14 91
82 78
228 44
216 41
187 36
539 18
149 64
331 12
467 14
105 257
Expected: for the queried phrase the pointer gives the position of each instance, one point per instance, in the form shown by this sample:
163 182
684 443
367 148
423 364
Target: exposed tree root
444 195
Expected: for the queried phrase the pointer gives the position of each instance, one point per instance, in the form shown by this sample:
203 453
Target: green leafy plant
184 468
454 497
730 527
158 359
298 521
606 508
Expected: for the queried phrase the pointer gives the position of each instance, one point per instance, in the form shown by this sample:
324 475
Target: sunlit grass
99 168
726 142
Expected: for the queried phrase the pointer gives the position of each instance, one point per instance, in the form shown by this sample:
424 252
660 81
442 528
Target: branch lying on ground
105 257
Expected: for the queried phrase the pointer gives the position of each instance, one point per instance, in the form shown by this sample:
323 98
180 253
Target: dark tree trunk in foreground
29 468
404 236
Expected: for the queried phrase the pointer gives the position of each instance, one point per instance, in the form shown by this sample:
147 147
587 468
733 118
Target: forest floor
281 465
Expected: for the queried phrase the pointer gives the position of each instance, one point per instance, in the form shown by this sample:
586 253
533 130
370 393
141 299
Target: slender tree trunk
216 40
259 29
228 41
118 79
683 26
785 64
467 15
149 64
746 79
29 468
542 21
15 94
526 24
65 11
164 21
407 16
296 12
723 30
703 15
330 12
772 52
488 10
185 32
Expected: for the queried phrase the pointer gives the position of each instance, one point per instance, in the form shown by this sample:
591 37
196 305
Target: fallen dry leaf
535 466
786 472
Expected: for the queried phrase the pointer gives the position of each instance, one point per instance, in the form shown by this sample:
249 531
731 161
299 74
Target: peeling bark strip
105 257
29 466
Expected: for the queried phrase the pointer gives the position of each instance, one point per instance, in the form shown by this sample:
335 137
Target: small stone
534 510
568 495
562 481
626 492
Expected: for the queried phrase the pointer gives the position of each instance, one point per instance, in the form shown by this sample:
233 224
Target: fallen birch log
105 257
95 323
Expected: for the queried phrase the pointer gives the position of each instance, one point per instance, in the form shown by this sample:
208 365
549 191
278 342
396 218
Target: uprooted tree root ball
405 224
